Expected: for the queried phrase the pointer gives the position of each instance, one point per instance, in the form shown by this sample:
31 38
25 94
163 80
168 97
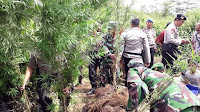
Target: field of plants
60 31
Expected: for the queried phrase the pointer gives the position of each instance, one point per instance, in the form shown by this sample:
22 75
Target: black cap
180 17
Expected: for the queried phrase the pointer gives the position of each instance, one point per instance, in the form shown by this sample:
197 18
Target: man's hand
21 89
185 42
112 56
147 64
156 50
123 76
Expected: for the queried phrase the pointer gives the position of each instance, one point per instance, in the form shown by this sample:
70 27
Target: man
192 77
36 63
196 40
175 97
95 62
41 68
108 40
172 41
134 43
159 40
151 35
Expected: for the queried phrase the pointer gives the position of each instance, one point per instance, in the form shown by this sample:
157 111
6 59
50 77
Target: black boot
102 84
91 91
80 78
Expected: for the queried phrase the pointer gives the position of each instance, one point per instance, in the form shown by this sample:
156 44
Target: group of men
140 44
135 44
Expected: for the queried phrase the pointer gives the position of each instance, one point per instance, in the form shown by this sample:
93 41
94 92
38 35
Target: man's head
179 20
112 27
149 23
99 29
111 24
135 22
197 27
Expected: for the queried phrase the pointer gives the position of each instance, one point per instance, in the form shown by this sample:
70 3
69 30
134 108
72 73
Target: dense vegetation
59 30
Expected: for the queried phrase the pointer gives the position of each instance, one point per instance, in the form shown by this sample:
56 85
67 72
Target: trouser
93 71
126 61
44 99
169 56
106 71
80 78
152 51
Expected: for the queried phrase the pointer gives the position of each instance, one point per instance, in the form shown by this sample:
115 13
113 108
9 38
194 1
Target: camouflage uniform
106 62
175 98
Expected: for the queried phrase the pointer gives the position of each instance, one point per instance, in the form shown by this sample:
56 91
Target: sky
153 5
139 3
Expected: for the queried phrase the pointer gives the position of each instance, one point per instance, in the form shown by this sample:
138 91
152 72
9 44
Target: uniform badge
172 30
182 17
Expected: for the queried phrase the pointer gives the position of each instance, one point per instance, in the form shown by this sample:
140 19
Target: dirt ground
79 97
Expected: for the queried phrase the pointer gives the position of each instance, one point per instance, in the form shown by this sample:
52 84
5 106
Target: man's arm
192 43
170 37
28 74
147 56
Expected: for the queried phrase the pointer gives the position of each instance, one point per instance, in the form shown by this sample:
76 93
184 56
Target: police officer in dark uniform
172 41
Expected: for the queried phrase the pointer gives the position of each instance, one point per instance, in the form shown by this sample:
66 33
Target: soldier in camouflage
109 57
176 97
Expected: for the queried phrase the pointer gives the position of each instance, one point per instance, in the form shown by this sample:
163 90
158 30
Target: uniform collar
148 28
174 25
135 28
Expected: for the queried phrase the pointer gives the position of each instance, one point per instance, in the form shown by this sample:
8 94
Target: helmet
111 24
132 62
158 65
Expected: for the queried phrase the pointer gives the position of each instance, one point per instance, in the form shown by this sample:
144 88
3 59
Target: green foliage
15 27
59 31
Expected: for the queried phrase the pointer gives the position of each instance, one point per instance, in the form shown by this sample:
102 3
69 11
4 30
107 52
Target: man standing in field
172 41
151 35
108 40
95 62
134 41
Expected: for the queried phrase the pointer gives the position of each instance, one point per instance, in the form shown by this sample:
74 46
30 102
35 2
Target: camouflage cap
158 65
111 24
132 62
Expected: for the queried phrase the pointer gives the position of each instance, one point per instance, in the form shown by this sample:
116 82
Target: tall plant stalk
26 101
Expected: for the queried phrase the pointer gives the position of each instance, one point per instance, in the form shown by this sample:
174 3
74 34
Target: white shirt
135 40
193 78
172 35
151 34
196 41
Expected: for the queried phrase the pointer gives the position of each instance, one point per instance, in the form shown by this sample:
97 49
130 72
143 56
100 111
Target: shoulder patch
172 30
